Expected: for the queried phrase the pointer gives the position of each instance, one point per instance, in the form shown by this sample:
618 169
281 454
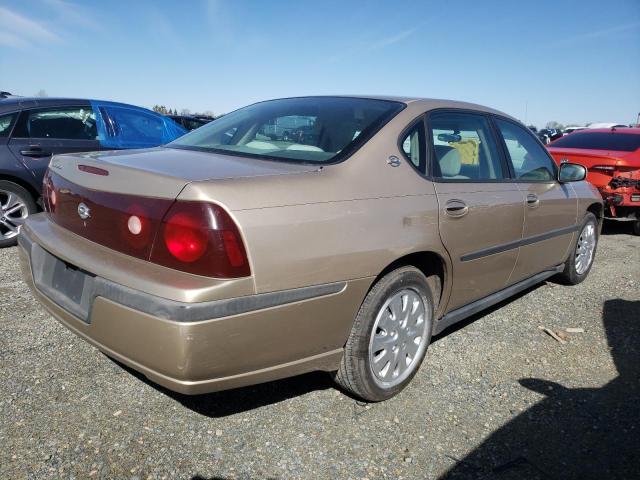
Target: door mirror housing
571 172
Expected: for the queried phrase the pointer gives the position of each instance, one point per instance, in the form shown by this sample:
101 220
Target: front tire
390 336
636 227
580 260
16 204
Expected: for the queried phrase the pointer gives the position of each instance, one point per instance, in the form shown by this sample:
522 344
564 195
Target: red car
612 159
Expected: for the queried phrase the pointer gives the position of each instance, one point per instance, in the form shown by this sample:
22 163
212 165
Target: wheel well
429 263
26 185
598 210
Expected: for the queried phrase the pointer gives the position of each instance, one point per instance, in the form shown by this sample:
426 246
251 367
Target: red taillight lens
200 238
49 196
184 237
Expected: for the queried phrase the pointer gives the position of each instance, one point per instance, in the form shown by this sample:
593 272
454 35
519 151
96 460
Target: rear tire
16 204
580 260
390 336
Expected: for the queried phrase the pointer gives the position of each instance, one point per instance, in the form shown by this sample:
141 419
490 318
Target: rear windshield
622 142
313 129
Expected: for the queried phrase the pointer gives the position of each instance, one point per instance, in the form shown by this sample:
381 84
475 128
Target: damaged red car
612 159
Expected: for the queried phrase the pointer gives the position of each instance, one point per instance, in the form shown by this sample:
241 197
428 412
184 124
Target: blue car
34 129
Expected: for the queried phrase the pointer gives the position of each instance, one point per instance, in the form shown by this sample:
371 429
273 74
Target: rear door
42 132
481 211
551 207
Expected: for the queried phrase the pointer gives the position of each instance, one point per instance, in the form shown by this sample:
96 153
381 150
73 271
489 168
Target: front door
42 132
551 207
481 213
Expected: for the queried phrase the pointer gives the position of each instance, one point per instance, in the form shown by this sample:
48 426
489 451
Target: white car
569 130
607 125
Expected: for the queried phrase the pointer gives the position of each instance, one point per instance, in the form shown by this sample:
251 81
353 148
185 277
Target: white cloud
19 31
384 42
364 46
605 32
73 13
9 39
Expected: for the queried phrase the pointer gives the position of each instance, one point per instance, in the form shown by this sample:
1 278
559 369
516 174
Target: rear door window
464 148
70 123
131 127
620 142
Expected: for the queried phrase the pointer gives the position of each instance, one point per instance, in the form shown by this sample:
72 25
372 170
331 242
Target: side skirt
461 313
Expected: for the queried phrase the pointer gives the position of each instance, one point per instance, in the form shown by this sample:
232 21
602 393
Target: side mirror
571 172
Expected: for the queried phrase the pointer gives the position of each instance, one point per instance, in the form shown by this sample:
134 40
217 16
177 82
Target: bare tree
554 124
185 111
41 93
160 109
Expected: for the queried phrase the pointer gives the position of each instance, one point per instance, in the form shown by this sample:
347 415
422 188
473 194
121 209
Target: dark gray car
34 129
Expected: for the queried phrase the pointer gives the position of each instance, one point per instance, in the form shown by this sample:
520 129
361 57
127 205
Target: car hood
162 172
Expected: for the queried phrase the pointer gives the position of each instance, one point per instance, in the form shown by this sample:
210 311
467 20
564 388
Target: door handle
456 208
532 200
35 152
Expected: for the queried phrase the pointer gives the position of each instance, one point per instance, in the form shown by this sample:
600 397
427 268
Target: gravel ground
495 398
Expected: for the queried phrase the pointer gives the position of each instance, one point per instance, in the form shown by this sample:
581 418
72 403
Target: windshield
621 142
311 129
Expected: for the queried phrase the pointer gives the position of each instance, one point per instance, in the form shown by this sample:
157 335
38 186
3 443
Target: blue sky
569 61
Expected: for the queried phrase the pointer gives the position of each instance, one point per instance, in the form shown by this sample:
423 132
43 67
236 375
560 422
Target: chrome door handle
35 151
456 208
532 200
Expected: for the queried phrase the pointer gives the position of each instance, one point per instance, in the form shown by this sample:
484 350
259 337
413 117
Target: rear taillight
200 238
49 196
194 237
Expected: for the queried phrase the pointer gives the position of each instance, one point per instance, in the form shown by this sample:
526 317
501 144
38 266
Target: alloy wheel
13 212
585 248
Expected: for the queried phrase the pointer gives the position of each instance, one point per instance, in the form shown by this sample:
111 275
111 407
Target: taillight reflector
94 170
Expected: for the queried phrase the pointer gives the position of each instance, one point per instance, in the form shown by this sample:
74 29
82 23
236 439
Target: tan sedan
315 233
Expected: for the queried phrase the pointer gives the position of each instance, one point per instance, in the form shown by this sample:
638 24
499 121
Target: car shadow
572 433
229 402
613 227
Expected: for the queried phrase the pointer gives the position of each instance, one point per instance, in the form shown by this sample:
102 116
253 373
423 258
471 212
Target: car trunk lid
118 199
602 165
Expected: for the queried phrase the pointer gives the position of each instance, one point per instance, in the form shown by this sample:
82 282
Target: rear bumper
209 346
622 196
621 203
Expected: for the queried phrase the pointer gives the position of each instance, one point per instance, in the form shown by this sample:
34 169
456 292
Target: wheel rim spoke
13 212
10 199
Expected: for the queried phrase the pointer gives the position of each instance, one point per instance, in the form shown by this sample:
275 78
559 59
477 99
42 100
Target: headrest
450 163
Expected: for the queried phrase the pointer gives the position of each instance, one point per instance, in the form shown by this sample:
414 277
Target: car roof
18 103
631 130
423 102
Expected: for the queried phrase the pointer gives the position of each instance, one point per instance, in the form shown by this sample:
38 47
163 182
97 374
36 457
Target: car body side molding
518 243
